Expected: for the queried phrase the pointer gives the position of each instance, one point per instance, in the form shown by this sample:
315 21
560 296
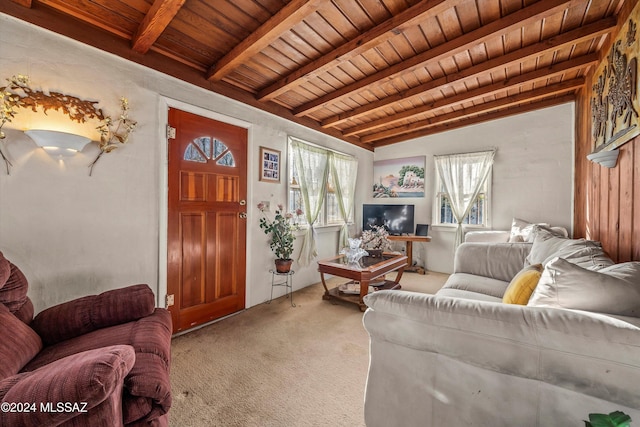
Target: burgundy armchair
100 360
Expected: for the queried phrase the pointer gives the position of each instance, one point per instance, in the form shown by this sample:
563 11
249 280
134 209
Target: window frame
321 222
438 197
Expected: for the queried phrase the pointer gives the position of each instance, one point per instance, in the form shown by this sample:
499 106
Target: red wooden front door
206 219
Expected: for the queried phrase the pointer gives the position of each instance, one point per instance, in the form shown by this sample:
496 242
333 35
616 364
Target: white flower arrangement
376 238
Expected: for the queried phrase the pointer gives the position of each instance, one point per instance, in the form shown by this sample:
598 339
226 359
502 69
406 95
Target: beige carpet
277 365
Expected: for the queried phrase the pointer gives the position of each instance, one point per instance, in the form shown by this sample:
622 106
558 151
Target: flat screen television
397 219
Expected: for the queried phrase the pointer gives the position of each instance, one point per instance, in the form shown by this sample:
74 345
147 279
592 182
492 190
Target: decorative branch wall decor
615 106
18 94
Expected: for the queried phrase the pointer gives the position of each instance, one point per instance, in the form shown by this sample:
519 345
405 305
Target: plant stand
288 284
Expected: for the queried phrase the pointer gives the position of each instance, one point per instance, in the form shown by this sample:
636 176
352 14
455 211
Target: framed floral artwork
270 165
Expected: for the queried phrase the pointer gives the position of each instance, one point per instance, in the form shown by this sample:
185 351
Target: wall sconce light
608 159
18 94
58 144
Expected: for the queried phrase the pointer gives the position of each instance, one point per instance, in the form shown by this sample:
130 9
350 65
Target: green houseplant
614 419
281 230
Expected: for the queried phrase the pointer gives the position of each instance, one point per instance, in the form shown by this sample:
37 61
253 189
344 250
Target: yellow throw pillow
522 285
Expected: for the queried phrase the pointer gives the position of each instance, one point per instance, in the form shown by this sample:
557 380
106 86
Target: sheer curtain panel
312 164
463 176
344 170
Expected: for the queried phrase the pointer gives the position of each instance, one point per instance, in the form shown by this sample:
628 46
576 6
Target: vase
283 265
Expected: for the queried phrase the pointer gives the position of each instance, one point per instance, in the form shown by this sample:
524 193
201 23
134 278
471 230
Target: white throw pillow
524 231
585 253
546 231
612 290
521 231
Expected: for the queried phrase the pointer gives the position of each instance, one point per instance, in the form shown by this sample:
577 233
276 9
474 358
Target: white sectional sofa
462 357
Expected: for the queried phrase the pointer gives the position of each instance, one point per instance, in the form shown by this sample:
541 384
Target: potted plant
375 240
614 419
280 229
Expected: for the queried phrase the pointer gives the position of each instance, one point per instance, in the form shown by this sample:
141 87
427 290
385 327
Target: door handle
242 215
243 202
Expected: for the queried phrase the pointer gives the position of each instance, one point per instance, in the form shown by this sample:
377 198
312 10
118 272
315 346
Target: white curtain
344 170
463 176
312 164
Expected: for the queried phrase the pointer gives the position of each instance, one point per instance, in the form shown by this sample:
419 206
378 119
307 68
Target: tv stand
409 239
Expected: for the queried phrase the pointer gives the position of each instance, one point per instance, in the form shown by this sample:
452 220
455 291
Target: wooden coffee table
366 271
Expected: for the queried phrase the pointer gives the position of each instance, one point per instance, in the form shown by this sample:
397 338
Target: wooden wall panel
613 225
625 220
603 219
583 204
594 221
607 201
635 213
609 210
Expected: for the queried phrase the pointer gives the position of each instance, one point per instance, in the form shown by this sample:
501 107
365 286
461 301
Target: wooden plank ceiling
371 72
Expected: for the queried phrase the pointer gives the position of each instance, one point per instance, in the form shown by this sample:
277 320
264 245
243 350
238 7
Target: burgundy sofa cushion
13 290
87 314
147 393
89 377
18 345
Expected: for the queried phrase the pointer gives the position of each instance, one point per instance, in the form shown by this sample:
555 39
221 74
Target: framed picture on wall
269 165
399 177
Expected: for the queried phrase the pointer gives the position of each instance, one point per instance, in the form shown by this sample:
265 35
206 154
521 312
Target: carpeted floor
277 365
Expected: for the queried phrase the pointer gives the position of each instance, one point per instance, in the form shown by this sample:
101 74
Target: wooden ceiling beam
66 25
587 32
25 3
154 23
477 119
293 13
364 42
487 107
531 77
511 22
75 9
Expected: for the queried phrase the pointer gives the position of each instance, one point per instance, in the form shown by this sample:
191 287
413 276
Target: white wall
532 173
74 235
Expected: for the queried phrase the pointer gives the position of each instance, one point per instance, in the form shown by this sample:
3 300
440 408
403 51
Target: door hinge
170 300
171 132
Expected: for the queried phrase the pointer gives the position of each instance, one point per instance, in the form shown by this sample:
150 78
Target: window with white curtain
478 216
330 212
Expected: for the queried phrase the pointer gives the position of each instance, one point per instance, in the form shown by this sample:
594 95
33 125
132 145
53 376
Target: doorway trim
163 217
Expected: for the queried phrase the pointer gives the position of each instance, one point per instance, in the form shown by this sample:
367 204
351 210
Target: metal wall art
614 103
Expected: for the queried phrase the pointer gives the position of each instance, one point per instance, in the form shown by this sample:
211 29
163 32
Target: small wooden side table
288 284
409 239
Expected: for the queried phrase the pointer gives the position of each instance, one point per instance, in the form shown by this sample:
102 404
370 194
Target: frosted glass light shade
608 159
58 143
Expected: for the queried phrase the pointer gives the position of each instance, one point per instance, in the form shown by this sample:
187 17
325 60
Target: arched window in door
204 149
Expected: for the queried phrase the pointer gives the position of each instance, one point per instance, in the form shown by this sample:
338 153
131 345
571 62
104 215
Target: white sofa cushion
585 253
485 286
500 261
612 290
